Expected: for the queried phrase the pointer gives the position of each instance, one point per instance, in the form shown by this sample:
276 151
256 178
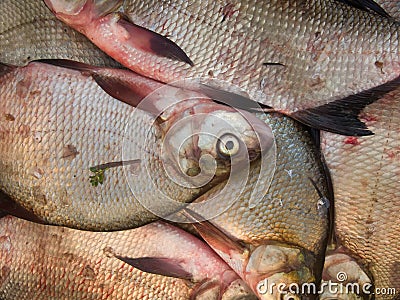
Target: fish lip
61 8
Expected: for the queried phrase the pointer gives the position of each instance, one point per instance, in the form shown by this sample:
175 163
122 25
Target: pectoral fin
158 265
217 239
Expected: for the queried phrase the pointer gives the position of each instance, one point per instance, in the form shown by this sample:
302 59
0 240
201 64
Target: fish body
392 7
279 238
28 31
65 263
290 55
366 179
58 126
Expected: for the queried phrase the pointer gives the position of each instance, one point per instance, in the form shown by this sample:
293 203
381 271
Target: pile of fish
199 149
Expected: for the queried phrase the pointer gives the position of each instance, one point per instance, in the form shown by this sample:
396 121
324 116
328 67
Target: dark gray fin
70 64
231 99
366 5
158 265
153 42
214 237
3 213
4 69
9 206
341 116
114 82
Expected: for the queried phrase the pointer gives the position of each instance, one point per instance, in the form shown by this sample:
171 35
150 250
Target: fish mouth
282 271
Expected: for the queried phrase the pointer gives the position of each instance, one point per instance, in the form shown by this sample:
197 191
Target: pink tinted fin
158 265
123 85
216 238
154 43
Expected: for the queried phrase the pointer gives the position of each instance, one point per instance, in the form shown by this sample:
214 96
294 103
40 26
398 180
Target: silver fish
58 126
311 59
65 263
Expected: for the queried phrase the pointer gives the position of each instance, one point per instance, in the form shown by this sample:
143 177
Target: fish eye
228 145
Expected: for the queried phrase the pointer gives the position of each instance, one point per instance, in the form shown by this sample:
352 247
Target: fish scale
55 192
28 31
57 124
366 177
328 49
70 264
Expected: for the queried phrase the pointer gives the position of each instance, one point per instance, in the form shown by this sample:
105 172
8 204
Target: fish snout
344 279
282 272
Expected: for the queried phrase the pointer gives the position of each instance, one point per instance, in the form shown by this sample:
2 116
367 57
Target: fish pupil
229 145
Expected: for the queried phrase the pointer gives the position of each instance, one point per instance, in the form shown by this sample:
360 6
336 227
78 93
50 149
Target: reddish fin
123 85
153 42
9 206
213 235
158 265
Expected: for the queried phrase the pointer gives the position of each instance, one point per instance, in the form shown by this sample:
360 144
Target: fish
64 263
316 61
392 8
29 31
280 238
73 155
366 179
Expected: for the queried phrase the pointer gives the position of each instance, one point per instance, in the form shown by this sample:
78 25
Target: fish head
208 141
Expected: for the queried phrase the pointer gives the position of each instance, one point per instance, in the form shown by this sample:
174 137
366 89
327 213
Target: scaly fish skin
47 262
392 7
28 31
366 180
291 55
56 124
281 238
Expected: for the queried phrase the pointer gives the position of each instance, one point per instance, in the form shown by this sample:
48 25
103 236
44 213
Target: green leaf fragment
98 176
